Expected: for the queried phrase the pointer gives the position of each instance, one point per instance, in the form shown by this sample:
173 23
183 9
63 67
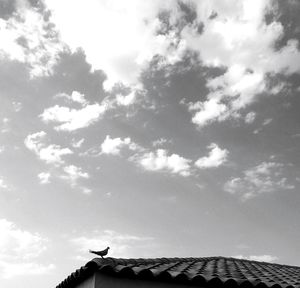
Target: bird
100 253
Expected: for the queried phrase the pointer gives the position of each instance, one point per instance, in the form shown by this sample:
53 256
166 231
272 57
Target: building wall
106 281
88 283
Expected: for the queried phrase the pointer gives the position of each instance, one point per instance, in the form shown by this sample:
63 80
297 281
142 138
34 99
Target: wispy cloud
75 96
72 173
3 185
264 178
44 177
121 245
160 142
19 251
261 258
77 144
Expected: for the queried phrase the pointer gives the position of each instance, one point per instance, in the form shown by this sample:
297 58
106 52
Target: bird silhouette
100 253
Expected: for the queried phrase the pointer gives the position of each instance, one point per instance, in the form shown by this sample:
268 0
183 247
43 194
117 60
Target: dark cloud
188 10
287 13
189 17
184 80
7 8
74 73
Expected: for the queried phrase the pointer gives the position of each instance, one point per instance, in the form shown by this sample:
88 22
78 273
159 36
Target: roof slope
206 272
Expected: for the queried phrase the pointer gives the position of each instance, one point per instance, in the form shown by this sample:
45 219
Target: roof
205 272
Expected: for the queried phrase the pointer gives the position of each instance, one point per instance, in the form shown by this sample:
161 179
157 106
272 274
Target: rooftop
205 272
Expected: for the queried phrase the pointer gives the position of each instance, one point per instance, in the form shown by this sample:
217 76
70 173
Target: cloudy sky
160 128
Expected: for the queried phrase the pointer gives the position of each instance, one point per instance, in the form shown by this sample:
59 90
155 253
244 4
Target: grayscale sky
161 128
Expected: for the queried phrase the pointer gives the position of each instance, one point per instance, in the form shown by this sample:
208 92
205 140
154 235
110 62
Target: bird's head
108 248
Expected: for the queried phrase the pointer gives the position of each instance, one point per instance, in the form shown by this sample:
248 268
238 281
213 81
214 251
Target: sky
160 128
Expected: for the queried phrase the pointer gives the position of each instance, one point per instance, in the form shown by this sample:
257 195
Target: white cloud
121 245
78 144
160 161
261 258
160 142
129 38
33 141
28 37
74 97
263 178
241 41
73 173
10 270
3 185
17 106
73 119
15 242
5 125
250 117
113 146
237 88
19 250
215 158
44 177
208 111
267 121
51 153
86 190
126 100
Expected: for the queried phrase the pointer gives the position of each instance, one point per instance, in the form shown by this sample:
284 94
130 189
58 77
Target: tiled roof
205 272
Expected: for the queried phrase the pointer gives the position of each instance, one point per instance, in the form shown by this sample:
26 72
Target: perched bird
100 253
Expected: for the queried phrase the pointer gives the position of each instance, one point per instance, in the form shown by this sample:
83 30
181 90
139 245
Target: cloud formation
44 177
3 185
263 178
261 258
29 37
250 117
244 43
215 158
135 26
73 173
73 119
49 153
127 99
161 161
113 146
74 97
19 251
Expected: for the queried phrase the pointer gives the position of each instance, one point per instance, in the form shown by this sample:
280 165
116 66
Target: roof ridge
183 259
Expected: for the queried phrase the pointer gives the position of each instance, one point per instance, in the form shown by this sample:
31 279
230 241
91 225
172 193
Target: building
210 272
